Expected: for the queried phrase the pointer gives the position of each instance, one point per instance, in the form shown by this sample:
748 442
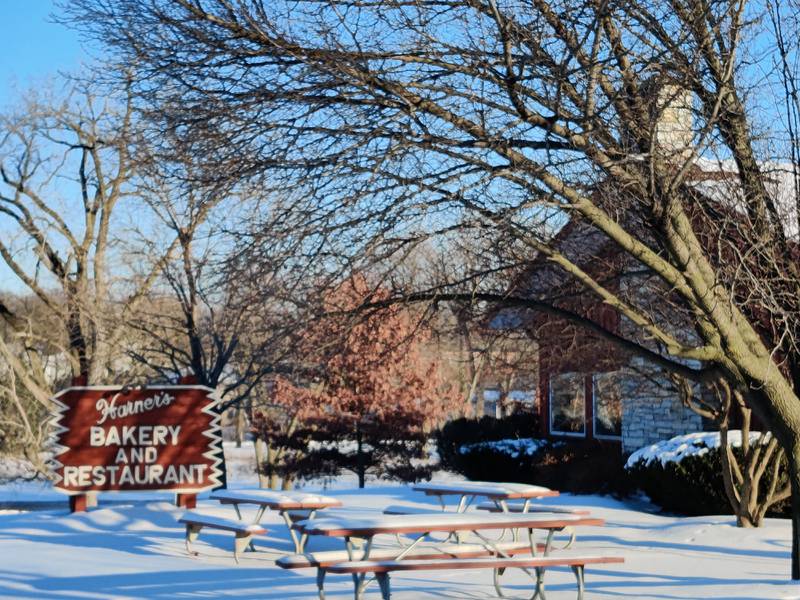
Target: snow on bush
13 468
674 450
511 447
346 447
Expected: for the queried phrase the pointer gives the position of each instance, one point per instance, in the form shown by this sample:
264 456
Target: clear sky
33 47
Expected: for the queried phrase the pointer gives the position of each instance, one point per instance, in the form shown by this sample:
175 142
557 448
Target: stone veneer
652 412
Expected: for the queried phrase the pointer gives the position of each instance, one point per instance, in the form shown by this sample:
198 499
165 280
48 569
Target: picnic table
366 528
280 501
499 493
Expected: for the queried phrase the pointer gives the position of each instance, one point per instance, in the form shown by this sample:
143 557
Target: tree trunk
360 466
259 447
272 457
793 457
273 481
240 426
480 409
745 522
780 413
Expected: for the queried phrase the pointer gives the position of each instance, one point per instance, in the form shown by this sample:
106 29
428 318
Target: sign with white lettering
153 438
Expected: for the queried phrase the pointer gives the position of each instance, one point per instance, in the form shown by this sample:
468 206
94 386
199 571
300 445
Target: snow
13 468
273 497
345 447
779 182
676 449
479 488
522 396
430 521
193 516
135 549
511 447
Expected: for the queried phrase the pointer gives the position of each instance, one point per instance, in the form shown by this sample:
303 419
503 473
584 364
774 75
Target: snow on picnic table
135 550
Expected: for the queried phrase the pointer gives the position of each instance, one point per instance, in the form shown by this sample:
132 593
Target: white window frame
594 412
574 434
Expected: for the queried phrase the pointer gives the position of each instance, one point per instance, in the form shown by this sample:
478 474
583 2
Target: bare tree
752 480
404 120
67 175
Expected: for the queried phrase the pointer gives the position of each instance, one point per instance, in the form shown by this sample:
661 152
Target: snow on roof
718 179
676 449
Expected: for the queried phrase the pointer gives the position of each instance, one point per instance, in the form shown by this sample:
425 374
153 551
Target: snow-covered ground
134 549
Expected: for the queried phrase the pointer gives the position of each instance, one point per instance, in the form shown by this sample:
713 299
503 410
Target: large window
607 405
568 404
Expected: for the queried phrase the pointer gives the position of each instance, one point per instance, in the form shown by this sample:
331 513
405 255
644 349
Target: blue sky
33 46
33 49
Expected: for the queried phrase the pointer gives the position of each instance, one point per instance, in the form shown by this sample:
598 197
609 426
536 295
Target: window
607 405
568 404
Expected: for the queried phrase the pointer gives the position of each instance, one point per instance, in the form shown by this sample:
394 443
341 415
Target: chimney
672 115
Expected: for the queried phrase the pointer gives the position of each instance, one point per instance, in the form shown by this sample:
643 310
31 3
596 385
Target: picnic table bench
291 506
382 568
368 527
321 561
243 532
520 507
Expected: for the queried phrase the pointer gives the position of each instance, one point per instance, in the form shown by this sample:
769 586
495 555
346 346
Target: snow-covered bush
684 474
13 468
459 433
570 465
674 450
513 448
501 460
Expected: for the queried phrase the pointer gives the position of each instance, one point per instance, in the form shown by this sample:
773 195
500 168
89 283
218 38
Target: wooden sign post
123 439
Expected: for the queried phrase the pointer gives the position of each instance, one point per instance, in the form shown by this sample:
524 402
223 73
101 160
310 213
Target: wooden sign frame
150 438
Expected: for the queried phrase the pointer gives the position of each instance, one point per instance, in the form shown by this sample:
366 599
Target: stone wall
652 411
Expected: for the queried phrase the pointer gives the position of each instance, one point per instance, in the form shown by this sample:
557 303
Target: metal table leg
259 514
298 542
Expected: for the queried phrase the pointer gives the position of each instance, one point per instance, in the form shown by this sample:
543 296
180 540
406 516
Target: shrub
684 475
482 450
462 432
580 467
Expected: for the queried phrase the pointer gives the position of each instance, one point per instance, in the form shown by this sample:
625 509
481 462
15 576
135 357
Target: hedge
691 483
483 450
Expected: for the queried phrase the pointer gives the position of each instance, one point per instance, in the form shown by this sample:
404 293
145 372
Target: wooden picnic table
497 492
367 527
280 501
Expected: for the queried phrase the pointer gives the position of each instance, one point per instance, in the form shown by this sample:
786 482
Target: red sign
154 438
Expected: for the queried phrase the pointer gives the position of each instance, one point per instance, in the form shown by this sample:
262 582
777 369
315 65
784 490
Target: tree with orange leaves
379 392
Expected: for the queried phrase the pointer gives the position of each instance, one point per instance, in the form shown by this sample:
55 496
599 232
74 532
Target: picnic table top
277 500
367 526
490 489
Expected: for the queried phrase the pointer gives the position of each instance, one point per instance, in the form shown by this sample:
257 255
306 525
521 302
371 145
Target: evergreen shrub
693 485
490 449
465 431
